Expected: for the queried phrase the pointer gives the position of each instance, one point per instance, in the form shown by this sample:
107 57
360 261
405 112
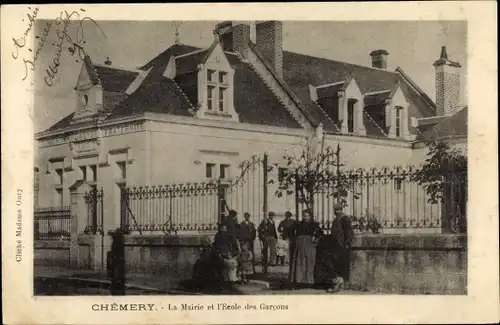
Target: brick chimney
269 42
447 84
379 59
234 36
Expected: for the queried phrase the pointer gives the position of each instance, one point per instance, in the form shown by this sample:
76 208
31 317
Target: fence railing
94 202
392 198
52 223
190 206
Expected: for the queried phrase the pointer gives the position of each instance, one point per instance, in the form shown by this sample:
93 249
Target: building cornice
76 128
400 143
228 125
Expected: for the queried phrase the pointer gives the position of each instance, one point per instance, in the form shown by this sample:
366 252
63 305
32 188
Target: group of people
314 257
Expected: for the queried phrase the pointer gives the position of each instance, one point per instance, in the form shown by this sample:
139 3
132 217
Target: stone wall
400 264
417 264
172 256
51 252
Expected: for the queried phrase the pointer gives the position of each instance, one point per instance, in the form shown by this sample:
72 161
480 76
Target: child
246 264
281 250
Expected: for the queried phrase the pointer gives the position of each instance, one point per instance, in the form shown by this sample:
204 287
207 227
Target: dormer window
217 86
350 115
398 121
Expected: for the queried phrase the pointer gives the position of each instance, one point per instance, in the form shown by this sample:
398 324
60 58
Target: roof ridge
117 68
350 63
188 54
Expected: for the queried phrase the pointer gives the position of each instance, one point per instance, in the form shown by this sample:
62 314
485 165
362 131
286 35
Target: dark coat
286 227
267 228
247 231
333 252
225 244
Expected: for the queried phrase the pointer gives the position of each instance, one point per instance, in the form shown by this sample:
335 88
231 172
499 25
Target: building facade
193 115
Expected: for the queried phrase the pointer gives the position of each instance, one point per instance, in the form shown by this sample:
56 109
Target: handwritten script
74 44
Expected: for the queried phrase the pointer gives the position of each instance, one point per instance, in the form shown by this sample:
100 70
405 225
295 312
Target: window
223 171
282 172
350 115
210 95
84 172
210 75
122 165
222 78
218 85
398 121
209 170
60 176
222 92
93 168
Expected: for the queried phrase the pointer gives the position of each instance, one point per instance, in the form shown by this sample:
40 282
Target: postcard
250 163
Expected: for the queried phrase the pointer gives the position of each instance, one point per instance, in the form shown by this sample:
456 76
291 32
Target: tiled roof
163 58
115 80
156 94
254 100
61 124
189 63
265 109
371 127
450 127
330 90
301 70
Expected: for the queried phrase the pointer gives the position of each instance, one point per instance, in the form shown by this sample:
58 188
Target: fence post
337 157
265 165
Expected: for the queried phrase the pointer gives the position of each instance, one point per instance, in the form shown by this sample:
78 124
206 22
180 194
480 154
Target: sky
412 45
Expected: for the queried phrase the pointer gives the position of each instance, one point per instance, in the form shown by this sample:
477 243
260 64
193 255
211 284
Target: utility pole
337 157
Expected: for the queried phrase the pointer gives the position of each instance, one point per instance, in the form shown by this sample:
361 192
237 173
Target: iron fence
52 223
94 201
388 198
178 207
392 198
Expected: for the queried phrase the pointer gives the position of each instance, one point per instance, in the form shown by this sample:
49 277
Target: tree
310 172
444 178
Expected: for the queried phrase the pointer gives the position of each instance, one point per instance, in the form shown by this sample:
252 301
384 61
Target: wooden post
337 156
264 204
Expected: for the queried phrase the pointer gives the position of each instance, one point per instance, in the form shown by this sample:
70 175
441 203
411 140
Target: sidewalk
140 283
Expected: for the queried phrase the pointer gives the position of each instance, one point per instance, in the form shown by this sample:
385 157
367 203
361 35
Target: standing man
287 229
342 235
248 233
232 223
269 236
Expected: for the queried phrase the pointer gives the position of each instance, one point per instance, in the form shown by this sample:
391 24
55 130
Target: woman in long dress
306 233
